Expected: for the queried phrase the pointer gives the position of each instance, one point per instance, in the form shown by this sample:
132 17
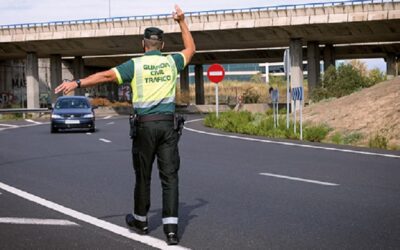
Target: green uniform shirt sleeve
125 71
179 61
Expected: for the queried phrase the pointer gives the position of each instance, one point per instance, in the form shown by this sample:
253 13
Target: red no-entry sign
216 73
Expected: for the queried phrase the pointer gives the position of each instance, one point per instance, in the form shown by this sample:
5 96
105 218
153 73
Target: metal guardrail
197 13
10 111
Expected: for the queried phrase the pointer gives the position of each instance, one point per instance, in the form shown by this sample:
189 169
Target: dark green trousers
156 139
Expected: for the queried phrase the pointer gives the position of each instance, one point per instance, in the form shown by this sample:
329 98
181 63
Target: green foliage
251 96
394 147
263 125
10 117
343 81
256 78
352 138
378 141
319 94
337 138
316 133
375 76
275 81
348 139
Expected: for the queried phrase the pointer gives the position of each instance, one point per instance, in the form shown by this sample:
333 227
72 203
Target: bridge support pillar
329 56
55 75
184 84
398 66
32 81
313 68
390 66
199 81
296 67
79 72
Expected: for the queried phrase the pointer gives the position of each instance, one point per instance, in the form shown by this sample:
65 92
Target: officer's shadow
185 216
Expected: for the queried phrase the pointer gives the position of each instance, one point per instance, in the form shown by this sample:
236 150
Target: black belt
156 117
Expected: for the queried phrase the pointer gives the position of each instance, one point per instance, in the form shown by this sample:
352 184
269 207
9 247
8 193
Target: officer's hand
178 14
66 87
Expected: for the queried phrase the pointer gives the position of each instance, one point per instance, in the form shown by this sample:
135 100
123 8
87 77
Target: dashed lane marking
104 140
107 117
289 143
145 239
300 179
110 123
32 221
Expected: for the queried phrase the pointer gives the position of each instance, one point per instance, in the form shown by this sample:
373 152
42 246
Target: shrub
378 141
337 138
318 94
352 138
375 76
344 80
263 125
251 96
316 133
256 78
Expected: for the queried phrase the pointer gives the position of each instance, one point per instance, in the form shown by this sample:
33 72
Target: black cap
153 33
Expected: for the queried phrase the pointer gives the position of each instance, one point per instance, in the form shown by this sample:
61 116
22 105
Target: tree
360 66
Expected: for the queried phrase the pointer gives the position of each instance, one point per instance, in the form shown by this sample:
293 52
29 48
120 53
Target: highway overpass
327 31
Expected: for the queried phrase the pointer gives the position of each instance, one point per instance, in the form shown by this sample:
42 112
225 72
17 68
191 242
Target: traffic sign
216 73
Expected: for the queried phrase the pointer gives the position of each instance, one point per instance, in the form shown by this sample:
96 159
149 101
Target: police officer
153 81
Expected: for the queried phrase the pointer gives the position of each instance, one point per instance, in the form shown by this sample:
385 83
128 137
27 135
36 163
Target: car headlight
55 116
88 116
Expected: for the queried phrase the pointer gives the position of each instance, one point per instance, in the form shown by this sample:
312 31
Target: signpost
275 107
297 94
286 66
216 74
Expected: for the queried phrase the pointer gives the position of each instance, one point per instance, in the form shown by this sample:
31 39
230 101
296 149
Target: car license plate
72 122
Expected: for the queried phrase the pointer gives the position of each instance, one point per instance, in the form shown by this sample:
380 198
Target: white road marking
32 121
32 221
300 179
110 123
8 125
125 232
25 126
107 117
104 140
290 143
88 133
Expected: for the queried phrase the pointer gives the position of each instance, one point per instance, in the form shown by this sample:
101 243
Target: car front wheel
93 129
53 130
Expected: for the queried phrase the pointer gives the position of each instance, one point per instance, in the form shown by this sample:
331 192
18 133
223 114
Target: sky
33 11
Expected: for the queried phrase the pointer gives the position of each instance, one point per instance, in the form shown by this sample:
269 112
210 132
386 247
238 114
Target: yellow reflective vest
154 84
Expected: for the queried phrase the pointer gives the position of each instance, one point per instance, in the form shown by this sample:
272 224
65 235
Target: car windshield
72 103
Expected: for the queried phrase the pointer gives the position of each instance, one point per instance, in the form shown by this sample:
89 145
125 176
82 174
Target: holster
179 122
133 122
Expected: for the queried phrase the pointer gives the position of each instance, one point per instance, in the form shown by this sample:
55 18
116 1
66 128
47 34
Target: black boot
172 239
139 227
171 232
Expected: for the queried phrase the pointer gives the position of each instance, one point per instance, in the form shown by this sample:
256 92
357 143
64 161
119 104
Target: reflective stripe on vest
154 84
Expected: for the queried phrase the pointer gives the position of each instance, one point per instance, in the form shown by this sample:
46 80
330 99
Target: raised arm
100 77
188 42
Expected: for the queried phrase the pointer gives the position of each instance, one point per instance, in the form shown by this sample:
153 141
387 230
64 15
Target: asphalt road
234 193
